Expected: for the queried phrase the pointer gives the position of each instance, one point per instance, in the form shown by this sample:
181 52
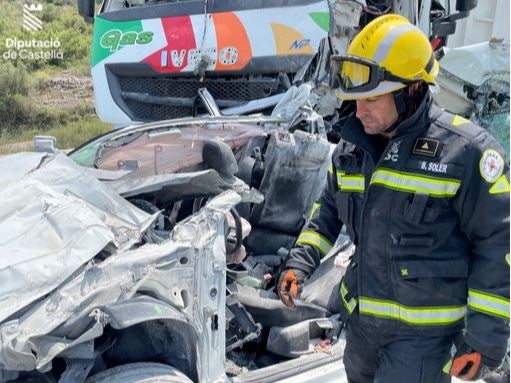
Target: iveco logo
226 56
298 44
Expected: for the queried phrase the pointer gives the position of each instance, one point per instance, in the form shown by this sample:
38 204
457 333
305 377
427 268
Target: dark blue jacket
430 221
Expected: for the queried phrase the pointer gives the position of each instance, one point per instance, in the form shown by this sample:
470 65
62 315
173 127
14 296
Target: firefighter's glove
290 286
469 364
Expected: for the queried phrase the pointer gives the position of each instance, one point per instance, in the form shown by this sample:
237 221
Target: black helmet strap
406 102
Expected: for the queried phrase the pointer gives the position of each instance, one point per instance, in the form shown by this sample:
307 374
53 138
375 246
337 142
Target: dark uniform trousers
377 357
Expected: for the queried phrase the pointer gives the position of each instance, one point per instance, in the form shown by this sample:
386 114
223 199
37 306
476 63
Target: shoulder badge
491 165
426 147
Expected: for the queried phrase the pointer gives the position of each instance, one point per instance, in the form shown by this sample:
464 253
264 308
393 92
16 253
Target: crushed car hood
54 218
58 296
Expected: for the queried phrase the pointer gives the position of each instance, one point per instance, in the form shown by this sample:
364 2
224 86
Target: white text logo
393 153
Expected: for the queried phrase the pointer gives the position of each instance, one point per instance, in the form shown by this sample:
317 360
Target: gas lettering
116 39
145 38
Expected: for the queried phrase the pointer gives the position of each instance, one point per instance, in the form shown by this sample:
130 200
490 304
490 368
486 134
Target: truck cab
150 57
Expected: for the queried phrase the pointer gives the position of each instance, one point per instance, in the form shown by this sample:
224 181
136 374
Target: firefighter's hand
290 286
469 364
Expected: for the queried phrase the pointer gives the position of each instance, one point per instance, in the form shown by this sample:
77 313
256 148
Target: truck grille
227 92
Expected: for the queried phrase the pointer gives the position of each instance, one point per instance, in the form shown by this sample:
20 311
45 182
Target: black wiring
238 229
378 8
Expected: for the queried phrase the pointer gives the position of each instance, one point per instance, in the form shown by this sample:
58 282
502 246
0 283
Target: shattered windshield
158 150
498 125
114 5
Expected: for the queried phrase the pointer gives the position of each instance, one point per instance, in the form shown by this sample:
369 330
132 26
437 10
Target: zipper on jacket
367 158
362 218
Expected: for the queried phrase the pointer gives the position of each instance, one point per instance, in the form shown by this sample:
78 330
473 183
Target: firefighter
424 196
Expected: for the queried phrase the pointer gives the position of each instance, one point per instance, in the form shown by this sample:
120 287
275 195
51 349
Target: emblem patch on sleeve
491 165
426 147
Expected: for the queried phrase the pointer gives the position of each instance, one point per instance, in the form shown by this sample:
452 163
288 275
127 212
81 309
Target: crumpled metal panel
474 81
106 175
178 185
54 218
76 312
475 63
16 166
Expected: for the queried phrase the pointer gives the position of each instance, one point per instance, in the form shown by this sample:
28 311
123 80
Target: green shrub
75 48
21 113
14 80
68 135
41 80
50 13
76 133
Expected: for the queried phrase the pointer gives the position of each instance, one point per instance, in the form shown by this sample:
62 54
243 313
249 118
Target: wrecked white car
149 254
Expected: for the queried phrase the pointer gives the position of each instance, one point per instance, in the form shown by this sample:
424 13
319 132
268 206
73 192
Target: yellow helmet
388 54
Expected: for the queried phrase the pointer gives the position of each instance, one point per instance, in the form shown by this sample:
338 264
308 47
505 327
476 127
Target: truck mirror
465 5
86 10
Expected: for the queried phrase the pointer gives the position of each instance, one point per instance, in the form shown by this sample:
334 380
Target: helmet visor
355 74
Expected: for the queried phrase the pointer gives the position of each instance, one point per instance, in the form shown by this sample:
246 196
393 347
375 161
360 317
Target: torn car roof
54 218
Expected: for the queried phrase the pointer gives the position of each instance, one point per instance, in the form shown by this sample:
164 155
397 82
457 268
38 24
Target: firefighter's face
377 113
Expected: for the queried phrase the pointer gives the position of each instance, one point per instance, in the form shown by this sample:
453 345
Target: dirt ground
67 91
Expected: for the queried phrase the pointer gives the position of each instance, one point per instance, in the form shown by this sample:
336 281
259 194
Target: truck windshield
115 5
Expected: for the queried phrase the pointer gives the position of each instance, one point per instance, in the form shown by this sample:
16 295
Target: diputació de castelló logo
32 49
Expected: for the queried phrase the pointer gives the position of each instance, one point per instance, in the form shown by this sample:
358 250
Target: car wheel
140 373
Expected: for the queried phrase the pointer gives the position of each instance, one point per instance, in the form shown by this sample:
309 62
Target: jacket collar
417 123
